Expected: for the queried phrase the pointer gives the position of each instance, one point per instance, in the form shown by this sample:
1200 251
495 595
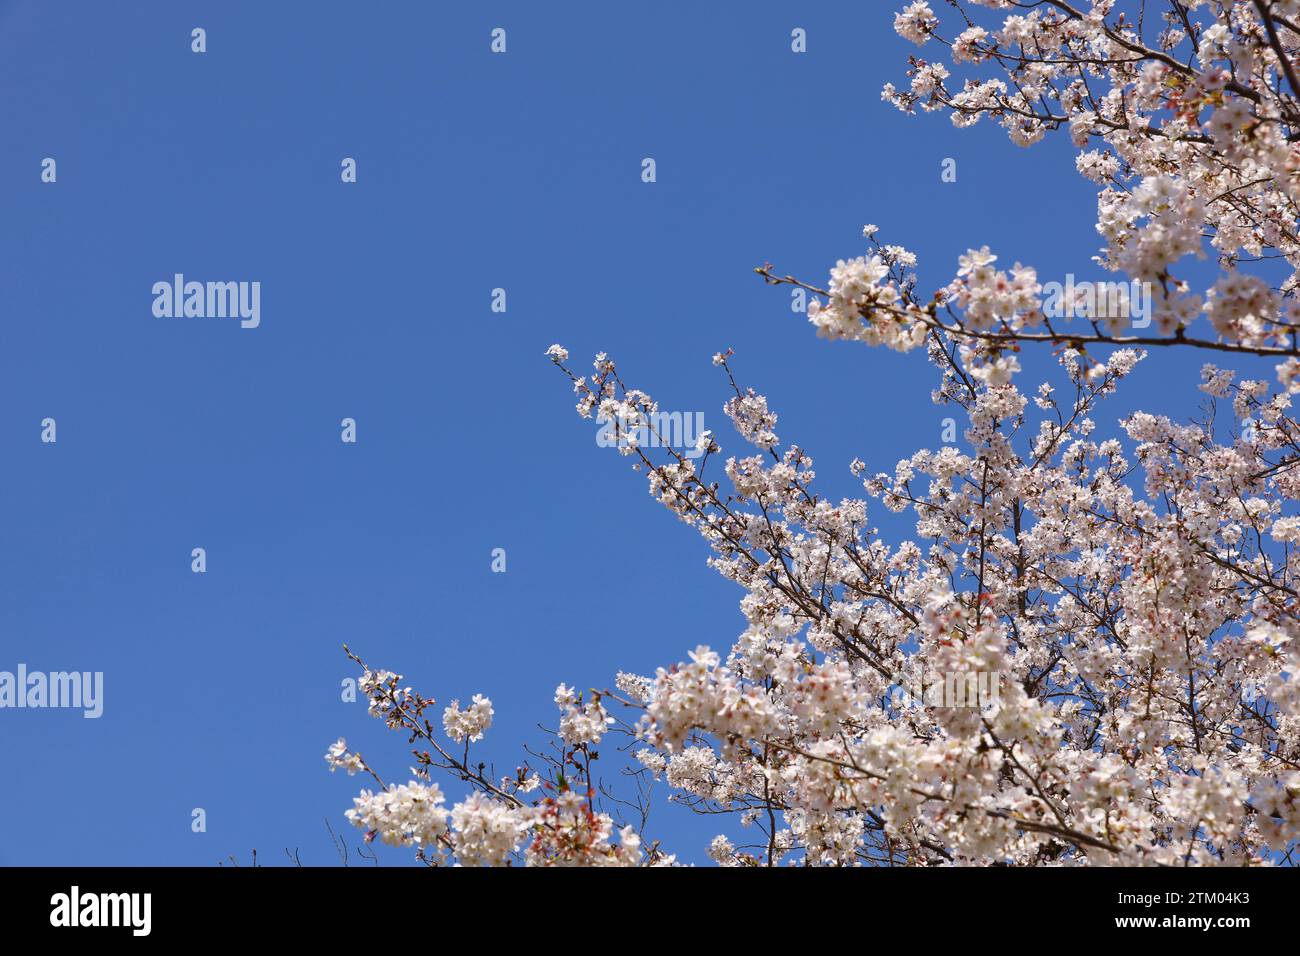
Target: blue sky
475 171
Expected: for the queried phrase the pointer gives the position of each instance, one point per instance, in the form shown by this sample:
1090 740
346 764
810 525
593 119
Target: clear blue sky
476 171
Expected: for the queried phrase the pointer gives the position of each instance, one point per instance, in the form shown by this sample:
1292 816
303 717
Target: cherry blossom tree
1135 599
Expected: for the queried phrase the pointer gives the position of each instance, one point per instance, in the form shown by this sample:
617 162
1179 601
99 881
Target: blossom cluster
1133 588
489 828
1191 130
469 724
1136 600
